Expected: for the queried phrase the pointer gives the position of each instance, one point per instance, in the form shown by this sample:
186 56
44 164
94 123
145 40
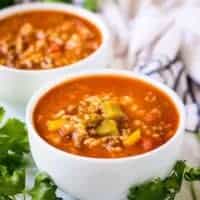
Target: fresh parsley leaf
13 149
160 189
5 197
91 4
2 112
4 3
151 190
44 188
13 146
13 137
11 183
12 161
174 181
192 174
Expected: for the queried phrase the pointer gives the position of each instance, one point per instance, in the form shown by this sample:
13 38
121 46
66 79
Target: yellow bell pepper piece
133 138
112 110
54 125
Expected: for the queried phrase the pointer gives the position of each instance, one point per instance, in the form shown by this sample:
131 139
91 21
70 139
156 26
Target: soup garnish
106 117
27 41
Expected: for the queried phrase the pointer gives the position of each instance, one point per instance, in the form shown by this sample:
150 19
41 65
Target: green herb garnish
4 3
2 112
11 183
14 149
13 137
168 188
192 174
91 4
43 188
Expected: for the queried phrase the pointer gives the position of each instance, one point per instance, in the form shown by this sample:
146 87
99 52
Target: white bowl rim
66 8
123 73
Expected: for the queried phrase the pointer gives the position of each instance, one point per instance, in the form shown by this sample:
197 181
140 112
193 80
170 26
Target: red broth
46 40
149 117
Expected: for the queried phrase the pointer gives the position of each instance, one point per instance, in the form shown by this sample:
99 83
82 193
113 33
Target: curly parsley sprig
168 188
14 148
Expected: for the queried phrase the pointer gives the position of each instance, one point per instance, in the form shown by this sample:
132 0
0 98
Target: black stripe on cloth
178 78
191 85
161 67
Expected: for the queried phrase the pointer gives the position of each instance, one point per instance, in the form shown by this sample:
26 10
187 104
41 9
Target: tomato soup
106 117
46 40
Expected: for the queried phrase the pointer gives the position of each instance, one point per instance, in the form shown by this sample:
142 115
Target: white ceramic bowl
103 179
17 86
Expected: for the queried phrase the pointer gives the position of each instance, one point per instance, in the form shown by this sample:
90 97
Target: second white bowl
17 86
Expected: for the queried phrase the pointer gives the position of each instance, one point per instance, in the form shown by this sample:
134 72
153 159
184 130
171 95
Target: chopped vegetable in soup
106 117
45 40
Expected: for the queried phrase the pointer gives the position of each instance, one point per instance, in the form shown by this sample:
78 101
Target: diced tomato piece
147 143
54 47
